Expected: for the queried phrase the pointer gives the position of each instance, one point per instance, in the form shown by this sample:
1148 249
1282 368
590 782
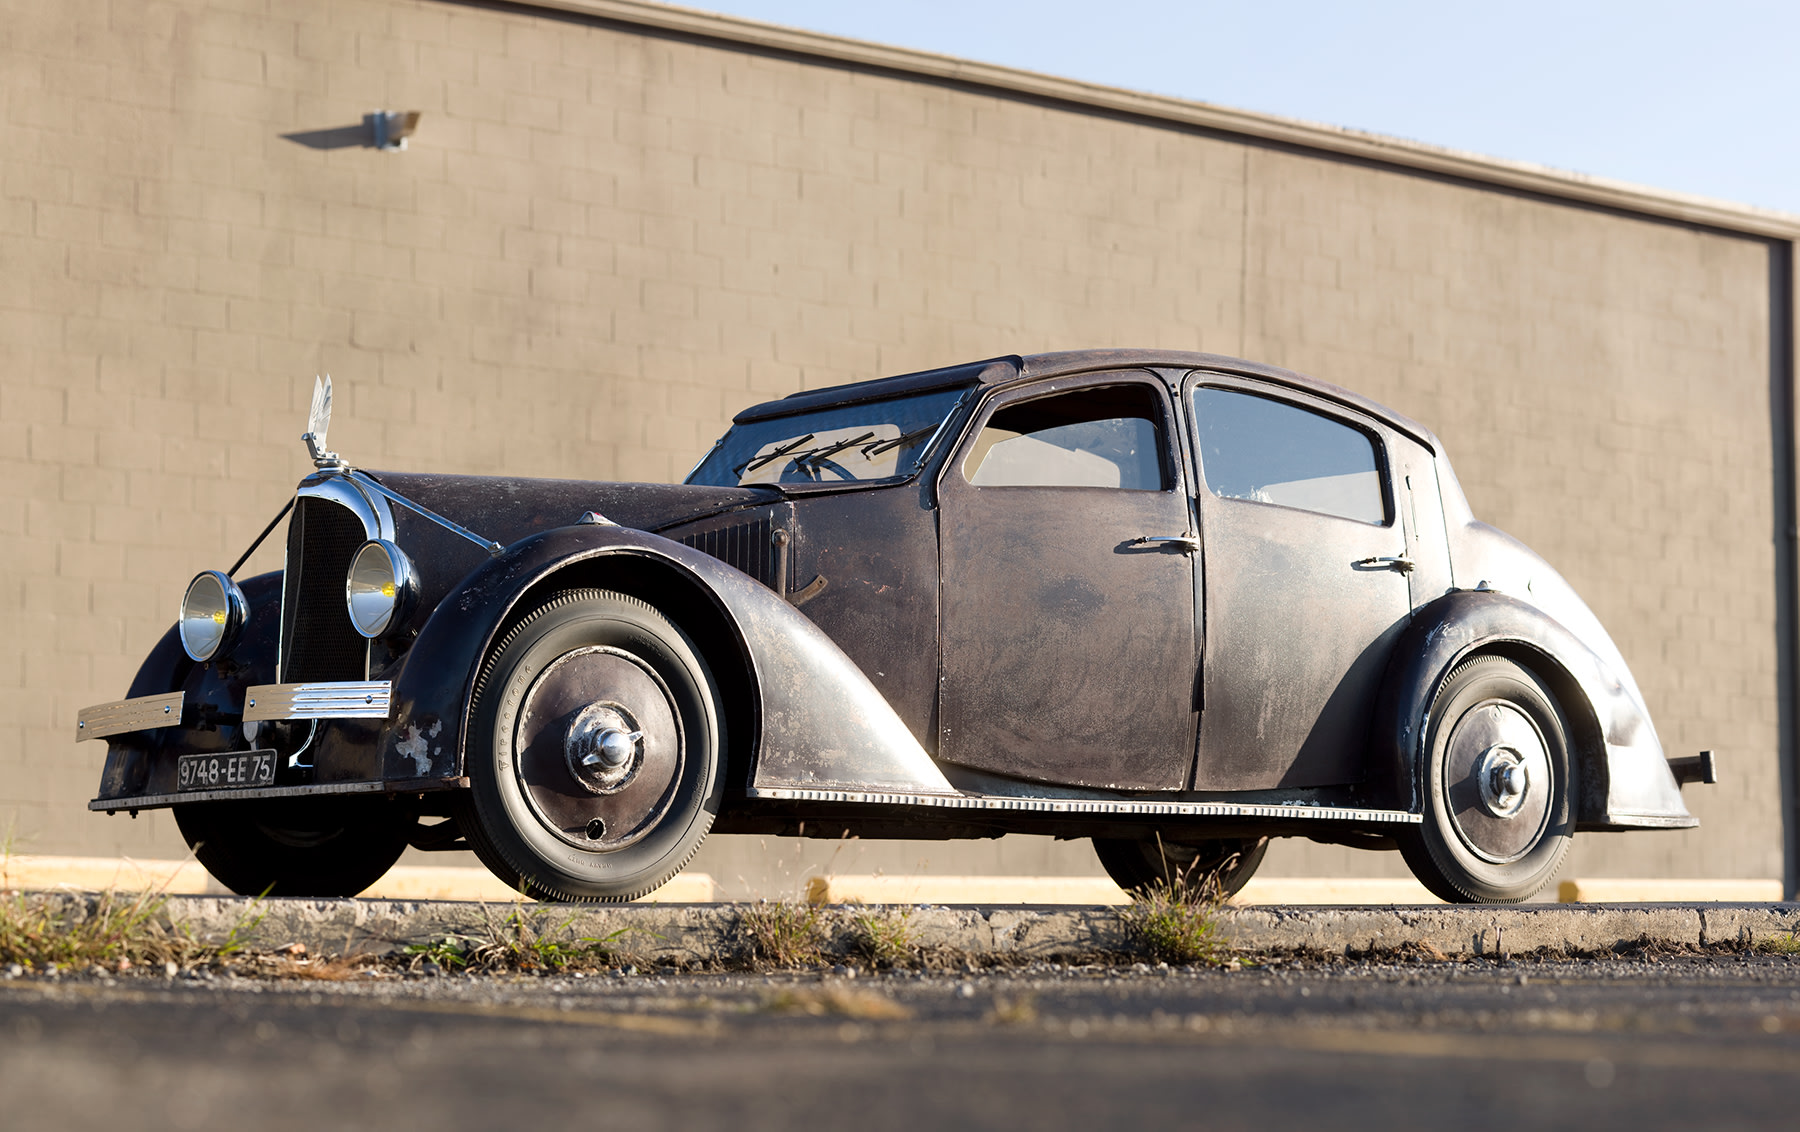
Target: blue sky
1698 98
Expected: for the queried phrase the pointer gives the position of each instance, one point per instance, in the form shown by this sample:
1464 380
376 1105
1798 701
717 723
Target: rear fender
1625 778
798 712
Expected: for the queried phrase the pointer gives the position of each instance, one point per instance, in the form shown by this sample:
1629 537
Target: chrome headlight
213 612
381 588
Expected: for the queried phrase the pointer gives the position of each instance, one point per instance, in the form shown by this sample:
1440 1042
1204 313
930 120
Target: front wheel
594 750
297 846
1497 787
1219 867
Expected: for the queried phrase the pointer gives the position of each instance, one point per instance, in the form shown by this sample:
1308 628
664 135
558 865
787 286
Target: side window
1272 452
1105 437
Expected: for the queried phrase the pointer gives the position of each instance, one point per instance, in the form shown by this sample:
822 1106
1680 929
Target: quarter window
1269 451
1106 437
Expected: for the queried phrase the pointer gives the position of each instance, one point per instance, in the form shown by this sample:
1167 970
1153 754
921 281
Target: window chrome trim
990 399
1349 417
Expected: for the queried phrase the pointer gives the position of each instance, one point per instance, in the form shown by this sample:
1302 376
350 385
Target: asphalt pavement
1682 1042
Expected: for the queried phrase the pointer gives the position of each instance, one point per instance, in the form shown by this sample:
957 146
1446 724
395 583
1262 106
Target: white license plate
225 772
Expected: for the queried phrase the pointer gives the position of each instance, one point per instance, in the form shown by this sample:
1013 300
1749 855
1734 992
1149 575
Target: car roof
1015 367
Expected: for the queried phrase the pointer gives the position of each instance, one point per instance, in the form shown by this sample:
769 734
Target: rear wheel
1218 867
1498 787
594 750
321 846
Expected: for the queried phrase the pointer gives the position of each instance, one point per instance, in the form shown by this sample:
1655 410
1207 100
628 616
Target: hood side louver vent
746 546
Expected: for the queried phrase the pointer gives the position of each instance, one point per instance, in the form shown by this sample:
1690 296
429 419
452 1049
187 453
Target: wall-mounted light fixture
393 127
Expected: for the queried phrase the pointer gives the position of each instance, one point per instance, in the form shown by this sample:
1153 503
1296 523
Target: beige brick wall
601 242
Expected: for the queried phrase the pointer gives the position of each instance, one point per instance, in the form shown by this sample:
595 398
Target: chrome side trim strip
120 716
1091 805
369 483
391 786
337 699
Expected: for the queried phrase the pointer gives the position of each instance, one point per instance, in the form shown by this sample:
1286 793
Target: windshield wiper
770 457
825 452
879 447
813 457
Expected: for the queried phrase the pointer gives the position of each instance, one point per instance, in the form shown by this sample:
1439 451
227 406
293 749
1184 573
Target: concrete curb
709 935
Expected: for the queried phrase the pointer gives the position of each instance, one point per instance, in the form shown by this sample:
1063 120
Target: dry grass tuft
523 941
1176 920
783 934
54 932
883 939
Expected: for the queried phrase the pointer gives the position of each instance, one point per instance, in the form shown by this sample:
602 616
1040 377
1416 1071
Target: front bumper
381 786
148 735
338 699
120 717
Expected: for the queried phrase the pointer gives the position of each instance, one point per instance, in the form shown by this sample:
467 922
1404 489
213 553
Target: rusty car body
1177 603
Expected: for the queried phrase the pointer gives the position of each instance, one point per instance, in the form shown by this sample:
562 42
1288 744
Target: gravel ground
1699 1040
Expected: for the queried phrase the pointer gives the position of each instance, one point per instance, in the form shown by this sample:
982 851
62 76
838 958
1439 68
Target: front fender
818 720
1626 781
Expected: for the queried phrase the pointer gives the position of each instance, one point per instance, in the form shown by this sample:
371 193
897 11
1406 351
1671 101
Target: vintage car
1177 603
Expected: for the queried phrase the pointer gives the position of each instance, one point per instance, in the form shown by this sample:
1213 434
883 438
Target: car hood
506 508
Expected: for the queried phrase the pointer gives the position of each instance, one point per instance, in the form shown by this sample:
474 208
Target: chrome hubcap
1503 777
1497 781
597 748
603 747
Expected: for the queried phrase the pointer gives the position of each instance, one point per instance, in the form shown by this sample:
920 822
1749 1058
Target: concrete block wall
605 238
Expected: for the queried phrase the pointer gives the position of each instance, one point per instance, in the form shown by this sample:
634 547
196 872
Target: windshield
876 440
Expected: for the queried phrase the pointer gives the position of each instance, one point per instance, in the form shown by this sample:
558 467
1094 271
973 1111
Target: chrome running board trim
337 699
140 714
1091 805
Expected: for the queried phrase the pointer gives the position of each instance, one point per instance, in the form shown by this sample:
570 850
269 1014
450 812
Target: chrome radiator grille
746 546
317 640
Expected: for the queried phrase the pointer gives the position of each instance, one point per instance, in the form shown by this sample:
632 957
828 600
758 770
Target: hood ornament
318 422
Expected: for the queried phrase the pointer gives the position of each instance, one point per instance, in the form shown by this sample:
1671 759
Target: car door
1068 643
1305 560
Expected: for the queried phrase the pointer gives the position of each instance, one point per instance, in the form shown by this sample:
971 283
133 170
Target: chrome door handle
1187 544
1404 565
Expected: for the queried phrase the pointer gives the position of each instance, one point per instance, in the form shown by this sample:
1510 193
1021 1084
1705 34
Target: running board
1090 805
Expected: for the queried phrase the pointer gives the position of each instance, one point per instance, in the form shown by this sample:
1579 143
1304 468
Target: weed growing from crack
1788 945
883 939
45 932
783 934
54 932
520 942
1176 919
